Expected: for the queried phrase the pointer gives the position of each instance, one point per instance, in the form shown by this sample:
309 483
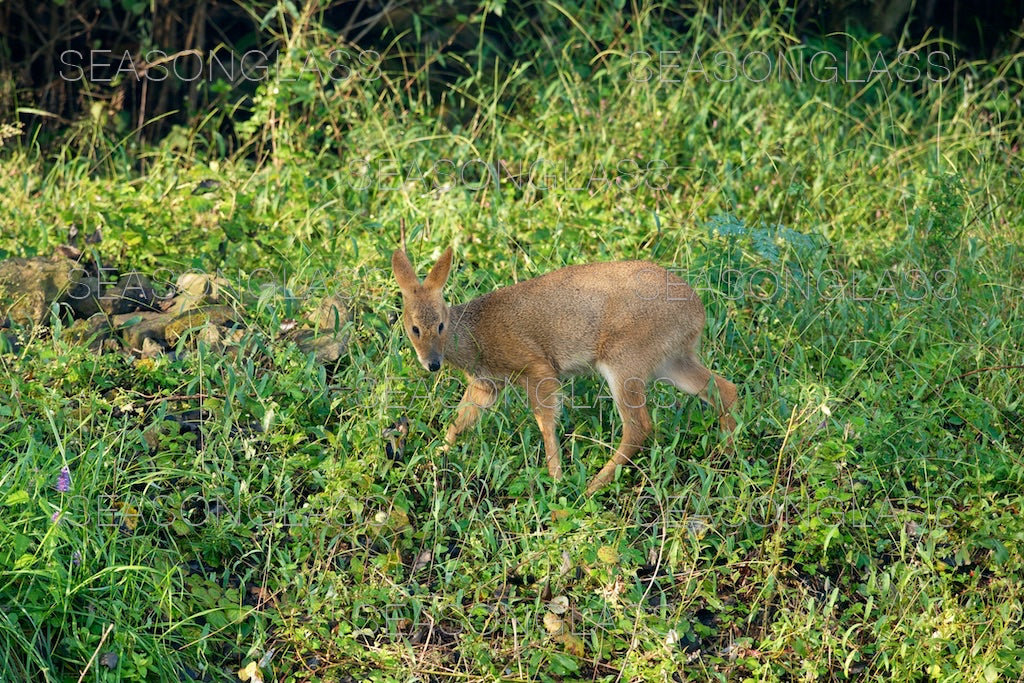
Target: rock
212 336
195 289
83 297
132 292
149 325
150 333
28 286
179 304
151 348
93 331
331 314
327 347
68 251
212 315
326 339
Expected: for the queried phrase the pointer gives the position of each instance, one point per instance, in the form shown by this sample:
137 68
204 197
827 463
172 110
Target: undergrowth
857 245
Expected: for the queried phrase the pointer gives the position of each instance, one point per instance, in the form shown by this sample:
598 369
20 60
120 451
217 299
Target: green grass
856 244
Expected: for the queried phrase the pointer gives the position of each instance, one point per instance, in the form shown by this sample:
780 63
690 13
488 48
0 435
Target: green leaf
26 560
562 664
18 497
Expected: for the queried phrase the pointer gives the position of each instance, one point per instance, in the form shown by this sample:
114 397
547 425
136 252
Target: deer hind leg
630 394
690 375
544 393
480 395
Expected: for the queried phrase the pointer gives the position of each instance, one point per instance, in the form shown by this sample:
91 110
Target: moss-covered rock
93 331
224 316
28 286
136 328
326 340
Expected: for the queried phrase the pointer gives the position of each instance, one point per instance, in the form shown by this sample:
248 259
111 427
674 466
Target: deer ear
439 273
403 270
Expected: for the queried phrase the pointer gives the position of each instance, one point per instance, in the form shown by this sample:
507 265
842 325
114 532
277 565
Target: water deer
632 321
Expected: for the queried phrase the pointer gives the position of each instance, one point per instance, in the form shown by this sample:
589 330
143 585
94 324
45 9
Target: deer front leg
480 395
543 390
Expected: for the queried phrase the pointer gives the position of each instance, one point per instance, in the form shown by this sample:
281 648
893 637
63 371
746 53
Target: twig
103 638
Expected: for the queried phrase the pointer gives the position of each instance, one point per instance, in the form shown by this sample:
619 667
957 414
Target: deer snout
431 360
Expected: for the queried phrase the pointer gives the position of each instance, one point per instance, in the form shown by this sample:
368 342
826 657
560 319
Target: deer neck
463 350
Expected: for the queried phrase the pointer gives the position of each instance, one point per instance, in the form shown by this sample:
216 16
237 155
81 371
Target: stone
28 286
195 289
331 314
151 348
327 348
93 331
147 325
132 292
83 297
326 340
212 315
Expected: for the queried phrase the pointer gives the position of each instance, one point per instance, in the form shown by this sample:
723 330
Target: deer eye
416 330
440 328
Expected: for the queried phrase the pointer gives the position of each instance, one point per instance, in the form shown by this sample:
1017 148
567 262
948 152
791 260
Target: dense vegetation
154 64
850 210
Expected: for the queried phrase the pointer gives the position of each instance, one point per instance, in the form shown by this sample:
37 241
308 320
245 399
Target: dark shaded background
44 45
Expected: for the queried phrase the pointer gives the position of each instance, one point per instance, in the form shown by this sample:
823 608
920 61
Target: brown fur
632 321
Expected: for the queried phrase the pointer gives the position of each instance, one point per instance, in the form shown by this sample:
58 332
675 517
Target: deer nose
434 365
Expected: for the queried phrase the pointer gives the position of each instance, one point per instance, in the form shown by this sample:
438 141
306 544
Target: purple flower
55 517
76 558
64 480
